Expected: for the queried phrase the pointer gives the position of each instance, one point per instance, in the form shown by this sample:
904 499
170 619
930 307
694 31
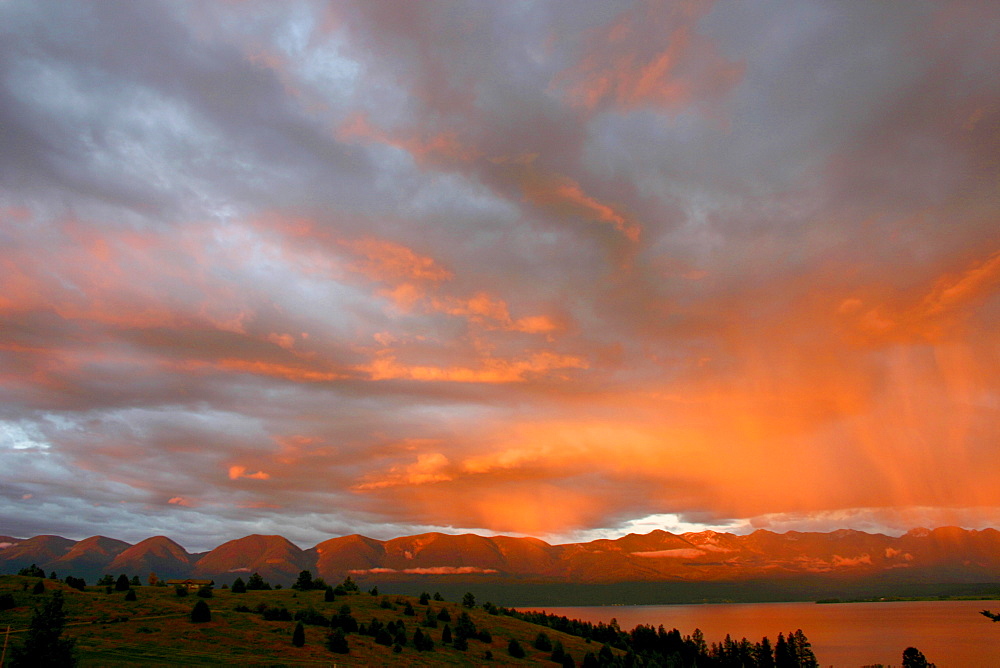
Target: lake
951 634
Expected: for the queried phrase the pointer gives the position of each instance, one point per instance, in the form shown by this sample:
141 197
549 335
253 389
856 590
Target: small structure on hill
190 583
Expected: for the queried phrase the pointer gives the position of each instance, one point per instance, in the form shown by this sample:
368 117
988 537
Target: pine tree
122 583
299 635
328 595
337 642
239 586
469 600
304 583
914 658
201 612
446 634
783 657
542 642
514 649
558 652
130 596
257 583
43 645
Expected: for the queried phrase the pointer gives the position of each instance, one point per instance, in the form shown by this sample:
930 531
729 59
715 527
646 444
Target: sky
562 269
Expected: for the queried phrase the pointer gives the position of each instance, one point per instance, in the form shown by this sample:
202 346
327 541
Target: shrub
299 635
32 571
7 602
130 595
76 583
542 642
205 591
201 613
337 642
514 649
181 591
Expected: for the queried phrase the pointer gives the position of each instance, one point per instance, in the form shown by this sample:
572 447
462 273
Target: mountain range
946 554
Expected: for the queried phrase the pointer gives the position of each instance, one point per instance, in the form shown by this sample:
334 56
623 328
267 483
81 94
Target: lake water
952 634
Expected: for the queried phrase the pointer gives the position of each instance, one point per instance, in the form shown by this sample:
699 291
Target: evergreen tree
205 591
764 653
299 635
328 595
39 587
408 610
590 661
383 637
568 662
43 645
337 642
257 583
134 582
914 658
465 627
130 595
106 581
348 585
437 596
542 642
53 576
32 571
802 650
557 651
201 612
446 634
469 600
514 649
783 657
425 598
444 615
122 583
181 591
461 644
305 581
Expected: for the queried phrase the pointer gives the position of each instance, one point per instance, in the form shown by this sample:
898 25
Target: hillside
156 628
677 567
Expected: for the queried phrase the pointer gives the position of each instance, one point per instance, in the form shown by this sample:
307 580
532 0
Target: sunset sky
557 268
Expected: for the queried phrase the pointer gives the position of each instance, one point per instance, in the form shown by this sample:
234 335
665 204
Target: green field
156 629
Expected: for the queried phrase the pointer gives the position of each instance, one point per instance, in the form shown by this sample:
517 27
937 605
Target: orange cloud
180 501
482 308
433 148
565 196
938 312
430 467
385 260
491 370
237 472
650 56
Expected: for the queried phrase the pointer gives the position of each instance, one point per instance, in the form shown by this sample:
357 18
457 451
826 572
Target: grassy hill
156 628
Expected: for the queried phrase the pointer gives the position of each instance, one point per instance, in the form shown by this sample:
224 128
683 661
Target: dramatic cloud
548 268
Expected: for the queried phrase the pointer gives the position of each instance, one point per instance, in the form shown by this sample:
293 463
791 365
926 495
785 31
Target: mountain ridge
949 554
